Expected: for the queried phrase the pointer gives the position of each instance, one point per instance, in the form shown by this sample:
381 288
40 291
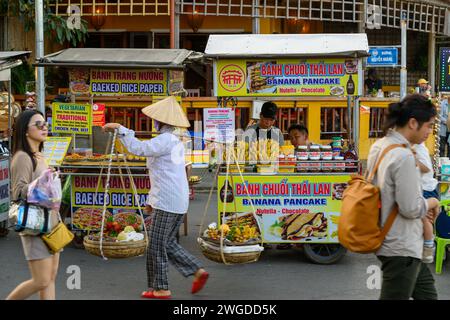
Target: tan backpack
359 224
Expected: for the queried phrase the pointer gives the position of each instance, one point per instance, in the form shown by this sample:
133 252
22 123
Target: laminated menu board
55 149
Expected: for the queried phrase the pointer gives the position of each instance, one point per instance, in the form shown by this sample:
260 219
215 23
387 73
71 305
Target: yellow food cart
294 195
95 73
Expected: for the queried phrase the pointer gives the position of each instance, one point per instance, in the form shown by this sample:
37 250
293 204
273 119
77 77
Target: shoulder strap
385 151
389 221
269 133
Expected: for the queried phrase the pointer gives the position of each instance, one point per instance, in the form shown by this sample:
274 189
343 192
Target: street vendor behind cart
265 128
168 197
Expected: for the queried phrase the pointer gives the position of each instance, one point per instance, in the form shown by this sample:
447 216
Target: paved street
279 274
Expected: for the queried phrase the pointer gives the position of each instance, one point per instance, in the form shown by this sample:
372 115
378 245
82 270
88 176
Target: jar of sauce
314 153
326 153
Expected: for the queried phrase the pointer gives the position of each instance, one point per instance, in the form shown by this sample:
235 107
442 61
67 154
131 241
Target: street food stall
83 152
9 109
290 195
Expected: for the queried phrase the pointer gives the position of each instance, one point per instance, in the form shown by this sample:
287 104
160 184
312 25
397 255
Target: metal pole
40 83
255 20
432 60
9 117
356 124
172 24
177 27
403 71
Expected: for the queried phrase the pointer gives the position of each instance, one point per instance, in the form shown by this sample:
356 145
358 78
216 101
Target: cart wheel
3 229
324 253
78 240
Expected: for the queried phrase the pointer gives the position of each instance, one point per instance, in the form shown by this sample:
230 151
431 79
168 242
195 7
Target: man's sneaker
428 254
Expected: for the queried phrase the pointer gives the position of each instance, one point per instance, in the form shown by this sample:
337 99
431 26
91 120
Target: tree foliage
55 26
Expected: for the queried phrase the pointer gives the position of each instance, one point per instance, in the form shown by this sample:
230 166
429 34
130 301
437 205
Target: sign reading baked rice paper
289 209
287 77
112 82
87 202
71 118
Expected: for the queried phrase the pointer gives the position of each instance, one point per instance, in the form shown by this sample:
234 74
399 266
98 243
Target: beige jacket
399 181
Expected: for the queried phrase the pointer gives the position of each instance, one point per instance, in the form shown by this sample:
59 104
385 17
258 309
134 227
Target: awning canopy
287 45
10 59
120 58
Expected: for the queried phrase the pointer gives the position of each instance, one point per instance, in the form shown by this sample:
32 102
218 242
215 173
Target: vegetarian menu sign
128 82
71 118
288 208
287 77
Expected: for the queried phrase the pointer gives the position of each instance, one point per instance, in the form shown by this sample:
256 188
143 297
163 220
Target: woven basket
115 250
233 258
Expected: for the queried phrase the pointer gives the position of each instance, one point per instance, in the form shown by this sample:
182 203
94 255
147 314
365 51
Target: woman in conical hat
168 197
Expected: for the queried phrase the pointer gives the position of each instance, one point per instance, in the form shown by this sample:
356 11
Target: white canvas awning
287 45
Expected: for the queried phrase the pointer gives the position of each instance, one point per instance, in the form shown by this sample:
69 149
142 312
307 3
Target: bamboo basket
116 250
212 253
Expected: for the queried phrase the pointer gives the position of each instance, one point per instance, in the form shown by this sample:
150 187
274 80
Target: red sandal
151 295
200 282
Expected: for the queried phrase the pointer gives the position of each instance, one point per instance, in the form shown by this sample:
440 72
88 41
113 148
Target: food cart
294 195
8 110
107 72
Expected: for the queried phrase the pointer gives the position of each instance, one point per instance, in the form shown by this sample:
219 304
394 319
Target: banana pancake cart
294 196
93 73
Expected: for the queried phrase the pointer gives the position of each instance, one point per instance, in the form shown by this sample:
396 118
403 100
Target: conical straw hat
167 111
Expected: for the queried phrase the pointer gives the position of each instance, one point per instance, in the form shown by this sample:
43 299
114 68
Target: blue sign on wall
380 56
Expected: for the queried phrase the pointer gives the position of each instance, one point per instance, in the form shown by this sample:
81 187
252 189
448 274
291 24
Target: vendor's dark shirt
373 84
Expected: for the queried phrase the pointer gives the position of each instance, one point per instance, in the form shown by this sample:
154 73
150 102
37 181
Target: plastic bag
46 190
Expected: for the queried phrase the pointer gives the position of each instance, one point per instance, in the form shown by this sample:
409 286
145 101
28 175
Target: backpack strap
385 151
394 212
389 221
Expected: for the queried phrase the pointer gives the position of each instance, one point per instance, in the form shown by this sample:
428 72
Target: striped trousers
163 248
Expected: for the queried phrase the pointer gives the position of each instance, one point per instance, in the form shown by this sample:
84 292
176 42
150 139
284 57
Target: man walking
408 122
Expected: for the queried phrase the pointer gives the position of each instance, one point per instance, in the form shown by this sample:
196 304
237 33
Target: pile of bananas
259 151
264 151
235 233
194 179
131 157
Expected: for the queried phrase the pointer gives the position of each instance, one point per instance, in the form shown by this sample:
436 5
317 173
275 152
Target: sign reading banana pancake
287 77
289 209
128 82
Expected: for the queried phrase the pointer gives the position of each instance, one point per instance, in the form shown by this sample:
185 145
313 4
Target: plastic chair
441 245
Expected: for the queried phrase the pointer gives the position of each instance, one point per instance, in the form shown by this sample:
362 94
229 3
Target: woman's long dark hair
414 106
20 135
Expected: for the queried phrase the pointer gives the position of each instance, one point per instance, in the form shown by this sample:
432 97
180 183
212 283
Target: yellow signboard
128 82
71 118
288 208
55 149
287 77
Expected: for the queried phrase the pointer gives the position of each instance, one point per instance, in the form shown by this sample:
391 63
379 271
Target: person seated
423 88
298 134
372 83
